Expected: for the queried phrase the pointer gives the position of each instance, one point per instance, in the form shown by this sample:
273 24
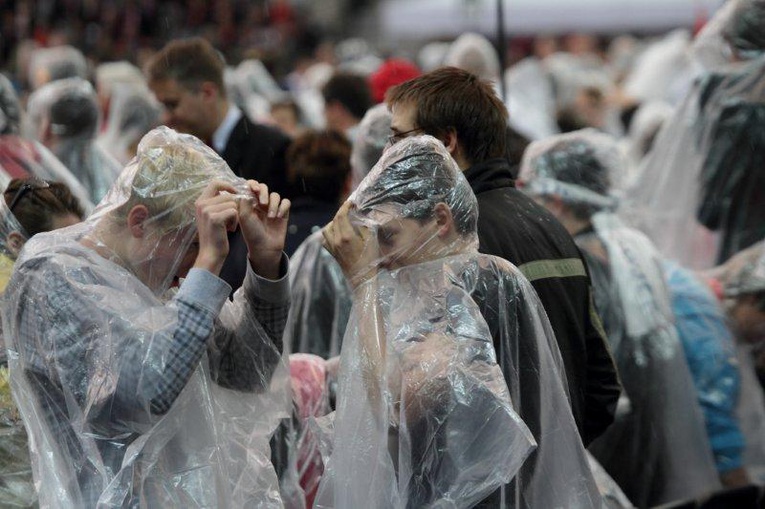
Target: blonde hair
167 176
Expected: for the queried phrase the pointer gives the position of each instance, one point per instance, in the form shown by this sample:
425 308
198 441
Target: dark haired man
187 78
346 99
467 116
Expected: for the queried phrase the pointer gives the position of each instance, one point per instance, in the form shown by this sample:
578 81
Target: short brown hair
450 98
37 208
189 62
318 164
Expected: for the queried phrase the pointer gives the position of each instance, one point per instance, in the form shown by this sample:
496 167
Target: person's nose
167 117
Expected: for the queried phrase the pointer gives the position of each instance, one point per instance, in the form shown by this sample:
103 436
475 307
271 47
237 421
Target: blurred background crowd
676 87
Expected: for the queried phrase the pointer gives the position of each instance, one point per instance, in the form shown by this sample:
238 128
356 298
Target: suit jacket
254 151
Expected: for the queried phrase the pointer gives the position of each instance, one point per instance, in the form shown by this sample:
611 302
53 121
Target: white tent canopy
427 19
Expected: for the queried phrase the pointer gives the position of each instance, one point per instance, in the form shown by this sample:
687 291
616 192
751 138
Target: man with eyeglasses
471 121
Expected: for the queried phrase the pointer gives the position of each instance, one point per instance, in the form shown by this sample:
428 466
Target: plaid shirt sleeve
199 303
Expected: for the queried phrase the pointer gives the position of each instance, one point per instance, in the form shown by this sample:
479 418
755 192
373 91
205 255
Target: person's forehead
167 88
383 214
403 116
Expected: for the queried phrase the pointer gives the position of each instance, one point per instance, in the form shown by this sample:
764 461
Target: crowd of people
386 282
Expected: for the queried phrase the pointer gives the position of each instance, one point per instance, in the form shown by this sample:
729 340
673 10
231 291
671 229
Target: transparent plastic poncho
56 63
371 138
20 157
16 485
90 346
321 301
657 449
321 297
742 275
443 350
735 27
133 112
75 145
699 193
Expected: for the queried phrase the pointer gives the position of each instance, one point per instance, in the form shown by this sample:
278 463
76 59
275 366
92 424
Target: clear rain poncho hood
735 32
659 429
69 108
443 347
92 331
133 112
56 63
700 193
20 157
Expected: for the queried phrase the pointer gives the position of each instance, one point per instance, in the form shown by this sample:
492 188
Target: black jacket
514 227
253 151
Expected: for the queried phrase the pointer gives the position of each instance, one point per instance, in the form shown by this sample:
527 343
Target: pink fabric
308 375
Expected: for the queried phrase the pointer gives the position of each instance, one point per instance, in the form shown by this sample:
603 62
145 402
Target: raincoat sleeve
148 380
242 358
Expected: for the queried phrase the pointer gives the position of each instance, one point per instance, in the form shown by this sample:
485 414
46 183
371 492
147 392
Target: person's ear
136 221
209 90
15 242
444 219
450 141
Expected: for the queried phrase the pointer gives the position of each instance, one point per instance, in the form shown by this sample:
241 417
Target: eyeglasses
396 137
29 185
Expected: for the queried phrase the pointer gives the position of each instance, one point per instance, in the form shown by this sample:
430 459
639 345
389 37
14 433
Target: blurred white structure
426 19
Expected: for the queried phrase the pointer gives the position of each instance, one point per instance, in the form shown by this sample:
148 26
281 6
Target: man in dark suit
187 78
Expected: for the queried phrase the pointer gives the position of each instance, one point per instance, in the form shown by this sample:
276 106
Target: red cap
392 72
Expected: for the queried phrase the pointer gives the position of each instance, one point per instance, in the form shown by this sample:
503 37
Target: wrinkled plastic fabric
88 343
16 485
21 158
88 162
476 54
660 72
530 99
310 398
56 63
700 193
644 127
443 350
10 108
751 416
613 496
8 224
584 154
371 138
744 273
736 26
657 449
133 112
711 355
321 301
252 88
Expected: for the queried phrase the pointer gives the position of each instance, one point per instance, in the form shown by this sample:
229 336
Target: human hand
264 220
216 213
352 245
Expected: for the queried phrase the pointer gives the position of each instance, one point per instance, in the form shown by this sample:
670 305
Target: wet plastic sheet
443 347
74 102
657 449
90 347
